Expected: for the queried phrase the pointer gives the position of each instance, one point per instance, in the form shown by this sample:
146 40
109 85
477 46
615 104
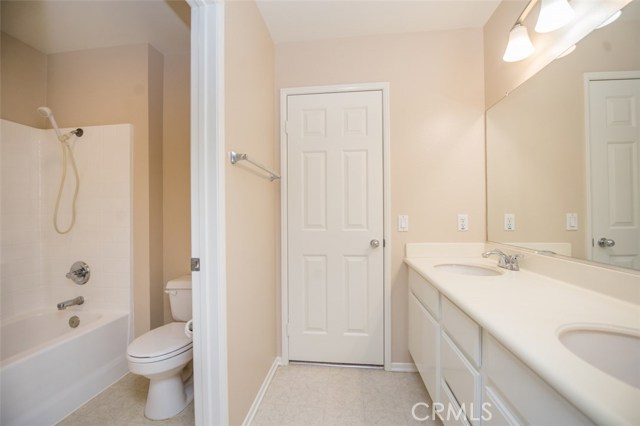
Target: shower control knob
606 242
374 243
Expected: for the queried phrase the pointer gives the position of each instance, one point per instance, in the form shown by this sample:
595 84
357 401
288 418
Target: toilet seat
159 344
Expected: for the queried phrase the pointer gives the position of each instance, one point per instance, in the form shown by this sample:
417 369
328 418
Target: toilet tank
179 291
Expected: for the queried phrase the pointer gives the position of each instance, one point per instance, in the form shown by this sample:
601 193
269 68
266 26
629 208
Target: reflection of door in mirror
613 105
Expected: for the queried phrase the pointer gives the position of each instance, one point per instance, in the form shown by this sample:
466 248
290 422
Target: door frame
208 213
386 184
588 78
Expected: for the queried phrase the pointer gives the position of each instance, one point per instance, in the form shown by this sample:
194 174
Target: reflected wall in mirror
538 160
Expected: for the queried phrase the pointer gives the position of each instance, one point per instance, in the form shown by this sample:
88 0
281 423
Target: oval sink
614 352
465 269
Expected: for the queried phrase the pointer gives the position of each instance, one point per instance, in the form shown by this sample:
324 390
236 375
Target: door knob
374 243
606 242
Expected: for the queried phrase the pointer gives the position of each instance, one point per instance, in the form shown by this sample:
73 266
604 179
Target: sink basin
616 353
465 269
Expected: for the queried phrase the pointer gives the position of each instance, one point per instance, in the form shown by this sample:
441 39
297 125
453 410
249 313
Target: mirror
541 169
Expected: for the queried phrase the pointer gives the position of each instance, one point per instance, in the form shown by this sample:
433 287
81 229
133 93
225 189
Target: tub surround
35 259
525 310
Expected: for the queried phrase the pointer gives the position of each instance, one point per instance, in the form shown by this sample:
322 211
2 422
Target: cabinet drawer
425 292
495 410
424 338
462 330
452 414
462 379
523 391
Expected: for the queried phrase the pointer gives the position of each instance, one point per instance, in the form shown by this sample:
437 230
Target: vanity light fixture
610 19
519 46
553 15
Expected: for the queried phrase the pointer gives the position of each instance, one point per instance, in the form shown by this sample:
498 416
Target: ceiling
54 26
305 20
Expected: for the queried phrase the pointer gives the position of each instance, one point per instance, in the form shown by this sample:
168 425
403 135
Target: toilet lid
161 342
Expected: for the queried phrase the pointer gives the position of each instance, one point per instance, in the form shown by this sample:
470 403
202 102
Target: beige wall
155 70
437 132
251 203
108 86
24 82
176 170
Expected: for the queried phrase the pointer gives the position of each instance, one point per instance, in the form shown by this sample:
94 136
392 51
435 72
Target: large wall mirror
563 152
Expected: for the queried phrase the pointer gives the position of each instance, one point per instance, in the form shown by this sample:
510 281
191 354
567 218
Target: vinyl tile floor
122 404
299 395
311 395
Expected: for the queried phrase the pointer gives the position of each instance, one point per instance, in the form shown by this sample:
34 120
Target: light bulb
519 46
554 14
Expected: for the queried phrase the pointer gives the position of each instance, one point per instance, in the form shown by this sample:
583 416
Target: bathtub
48 369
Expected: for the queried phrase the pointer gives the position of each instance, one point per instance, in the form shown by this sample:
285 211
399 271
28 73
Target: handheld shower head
47 113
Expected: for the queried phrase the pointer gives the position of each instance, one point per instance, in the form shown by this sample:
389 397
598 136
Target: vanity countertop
525 311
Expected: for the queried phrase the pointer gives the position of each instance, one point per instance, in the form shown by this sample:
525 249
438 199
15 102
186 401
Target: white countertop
525 310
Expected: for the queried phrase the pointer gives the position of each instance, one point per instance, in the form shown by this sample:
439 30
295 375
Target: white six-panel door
614 116
335 227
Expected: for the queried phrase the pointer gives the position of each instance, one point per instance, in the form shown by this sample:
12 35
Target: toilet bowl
162 354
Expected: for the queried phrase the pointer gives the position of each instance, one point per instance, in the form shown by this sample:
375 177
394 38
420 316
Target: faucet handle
79 273
513 262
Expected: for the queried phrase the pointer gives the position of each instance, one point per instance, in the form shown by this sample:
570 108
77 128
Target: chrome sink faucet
504 260
71 302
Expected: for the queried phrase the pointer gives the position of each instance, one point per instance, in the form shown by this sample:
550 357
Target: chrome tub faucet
504 260
71 302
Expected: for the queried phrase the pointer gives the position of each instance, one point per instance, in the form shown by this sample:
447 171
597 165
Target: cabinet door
461 378
424 333
523 391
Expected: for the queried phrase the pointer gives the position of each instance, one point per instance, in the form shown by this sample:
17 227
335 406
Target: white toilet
162 354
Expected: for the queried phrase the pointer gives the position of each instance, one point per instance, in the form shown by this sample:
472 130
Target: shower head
47 113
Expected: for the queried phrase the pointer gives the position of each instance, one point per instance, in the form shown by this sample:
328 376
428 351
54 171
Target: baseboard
403 367
263 390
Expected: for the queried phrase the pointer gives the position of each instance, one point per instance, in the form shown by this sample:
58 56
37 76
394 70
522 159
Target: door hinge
384 243
195 264
287 329
286 127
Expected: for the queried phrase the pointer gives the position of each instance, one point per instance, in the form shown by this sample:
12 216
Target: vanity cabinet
424 331
465 367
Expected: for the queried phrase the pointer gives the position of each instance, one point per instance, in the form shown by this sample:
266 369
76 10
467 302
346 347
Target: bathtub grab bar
234 157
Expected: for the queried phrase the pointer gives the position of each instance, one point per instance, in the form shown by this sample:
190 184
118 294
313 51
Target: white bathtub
48 369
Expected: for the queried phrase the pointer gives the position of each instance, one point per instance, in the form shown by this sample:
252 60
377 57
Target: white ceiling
304 20
54 26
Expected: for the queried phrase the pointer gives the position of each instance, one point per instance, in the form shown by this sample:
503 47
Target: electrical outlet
463 222
509 222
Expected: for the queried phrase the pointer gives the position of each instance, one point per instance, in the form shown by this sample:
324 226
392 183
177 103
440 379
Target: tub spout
71 302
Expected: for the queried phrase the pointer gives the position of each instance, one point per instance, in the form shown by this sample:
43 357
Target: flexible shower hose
66 152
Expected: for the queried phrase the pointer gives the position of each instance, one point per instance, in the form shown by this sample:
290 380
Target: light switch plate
403 223
572 221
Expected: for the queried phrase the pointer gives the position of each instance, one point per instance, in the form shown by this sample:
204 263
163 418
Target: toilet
162 354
